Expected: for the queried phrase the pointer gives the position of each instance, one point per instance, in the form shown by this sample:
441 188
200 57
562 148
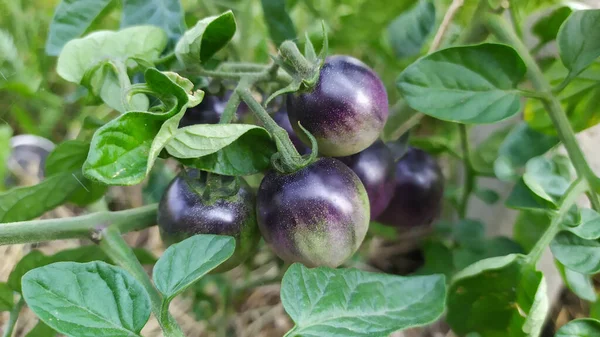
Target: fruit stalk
499 27
76 227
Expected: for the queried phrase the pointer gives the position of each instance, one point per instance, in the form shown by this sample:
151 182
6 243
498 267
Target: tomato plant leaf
123 151
41 329
583 327
409 31
541 178
486 152
438 259
483 249
522 197
278 21
512 155
529 227
208 36
166 14
186 262
7 297
348 302
496 297
575 253
5 134
579 283
579 40
71 19
80 299
546 28
467 84
399 121
232 149
589 226
69 156
26 203
487 195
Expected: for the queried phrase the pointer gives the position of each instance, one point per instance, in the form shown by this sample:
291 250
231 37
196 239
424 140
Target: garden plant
304 147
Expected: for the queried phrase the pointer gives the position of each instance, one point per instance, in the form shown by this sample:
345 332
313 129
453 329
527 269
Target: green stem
502 30
514 18
575 190
230 108
290 52
166 59
470 175
290 157
532 94
14 316
117 249
556 90
124 82
76 227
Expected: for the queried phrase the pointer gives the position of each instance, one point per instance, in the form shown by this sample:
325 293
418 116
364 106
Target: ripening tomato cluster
318 215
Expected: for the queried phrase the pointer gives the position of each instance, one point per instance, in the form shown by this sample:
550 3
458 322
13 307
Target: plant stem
230 108
117 249
502 30
514 18
14 316
448 17
290 157
470 175
76 227
575 190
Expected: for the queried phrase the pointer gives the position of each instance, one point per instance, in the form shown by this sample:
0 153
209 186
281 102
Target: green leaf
5 134
26 203
123 151
278 21
468 232
579 40
579 283
541 178
512 155
80 55
166 14
522 197
232 149
546 28
500 296
409 31
7 297
483 249
41 330
484 155
576 253
71 19
438 259
186 262
467 84
68 157
35 259
83 299
584 327
487 195
400 120
207 37
589 226
348 302
529 227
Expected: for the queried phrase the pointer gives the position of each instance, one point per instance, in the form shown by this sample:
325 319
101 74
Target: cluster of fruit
318 215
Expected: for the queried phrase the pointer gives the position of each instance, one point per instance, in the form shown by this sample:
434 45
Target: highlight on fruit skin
185 210
418 192
345 111
318 215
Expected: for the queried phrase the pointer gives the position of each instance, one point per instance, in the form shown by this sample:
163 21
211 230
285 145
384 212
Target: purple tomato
318 215
185 210
418 192
345 111
375 168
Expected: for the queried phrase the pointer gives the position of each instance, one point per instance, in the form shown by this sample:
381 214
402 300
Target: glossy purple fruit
419 189
281 118
375 168
318 215
345 111
185 211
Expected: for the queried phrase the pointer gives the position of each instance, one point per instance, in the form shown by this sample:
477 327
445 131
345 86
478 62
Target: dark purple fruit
209 111
345 111
375 168
281 118
419 189
318 215
185 210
